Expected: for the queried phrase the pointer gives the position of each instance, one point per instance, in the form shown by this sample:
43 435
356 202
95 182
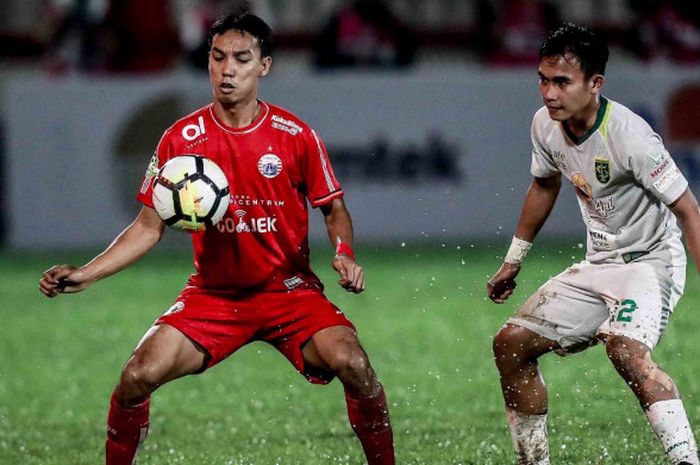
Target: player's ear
265 64
597 82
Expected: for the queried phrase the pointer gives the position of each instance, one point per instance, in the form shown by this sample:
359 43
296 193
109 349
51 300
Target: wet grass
424 321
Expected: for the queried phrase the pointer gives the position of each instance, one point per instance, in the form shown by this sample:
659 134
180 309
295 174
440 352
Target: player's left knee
352 367
352 363
629 356
633 362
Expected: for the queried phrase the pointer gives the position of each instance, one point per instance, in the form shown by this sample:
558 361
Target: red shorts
221 323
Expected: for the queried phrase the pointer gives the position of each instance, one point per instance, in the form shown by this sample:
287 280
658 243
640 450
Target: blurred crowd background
145 36
425 105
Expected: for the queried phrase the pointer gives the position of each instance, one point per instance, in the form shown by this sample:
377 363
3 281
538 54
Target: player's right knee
507 344
514 344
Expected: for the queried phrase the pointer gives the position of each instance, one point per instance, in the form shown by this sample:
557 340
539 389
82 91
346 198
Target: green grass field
424 321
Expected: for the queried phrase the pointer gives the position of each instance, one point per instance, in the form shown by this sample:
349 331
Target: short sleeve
319 178
542 165
654 169
164 151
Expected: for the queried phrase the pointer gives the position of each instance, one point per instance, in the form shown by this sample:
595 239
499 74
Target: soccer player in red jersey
252 280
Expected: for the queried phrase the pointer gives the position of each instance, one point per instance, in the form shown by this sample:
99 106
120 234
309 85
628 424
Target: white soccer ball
190 193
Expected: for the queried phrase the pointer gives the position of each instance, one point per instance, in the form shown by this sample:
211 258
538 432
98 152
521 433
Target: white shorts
586 300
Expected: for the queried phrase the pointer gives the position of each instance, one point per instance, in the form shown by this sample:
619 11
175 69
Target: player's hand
501 286
61 279
352 278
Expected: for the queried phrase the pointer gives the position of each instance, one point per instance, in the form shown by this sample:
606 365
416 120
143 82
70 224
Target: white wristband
517 251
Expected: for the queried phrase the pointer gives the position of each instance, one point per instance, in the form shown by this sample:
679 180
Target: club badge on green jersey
602 170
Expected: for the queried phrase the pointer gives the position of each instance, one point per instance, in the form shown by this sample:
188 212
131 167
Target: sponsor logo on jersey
177 307
602 170
241 226
293 282
197 142
601 240
667 180
559 159
582 187
192 131
604 206
657 155
270 165
245 200
659 169
151 172
286 125
244 224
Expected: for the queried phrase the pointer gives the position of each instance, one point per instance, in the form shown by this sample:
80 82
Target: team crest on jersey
270 165
602 170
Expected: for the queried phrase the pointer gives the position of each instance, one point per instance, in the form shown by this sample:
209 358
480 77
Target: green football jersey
624 180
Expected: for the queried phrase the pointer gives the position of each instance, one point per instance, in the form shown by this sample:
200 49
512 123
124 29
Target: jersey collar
598 121
264 111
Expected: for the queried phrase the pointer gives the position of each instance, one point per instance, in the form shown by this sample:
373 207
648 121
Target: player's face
566 91
235 67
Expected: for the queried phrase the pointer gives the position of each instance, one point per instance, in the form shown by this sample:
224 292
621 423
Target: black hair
244 22
579 42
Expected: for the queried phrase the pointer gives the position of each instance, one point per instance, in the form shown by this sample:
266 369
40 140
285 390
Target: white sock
670 423
529 433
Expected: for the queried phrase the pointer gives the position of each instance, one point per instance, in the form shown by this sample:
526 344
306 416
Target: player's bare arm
688 213
539 201
133 243
339 226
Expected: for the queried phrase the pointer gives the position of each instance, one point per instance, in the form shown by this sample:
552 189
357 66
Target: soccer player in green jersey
632 199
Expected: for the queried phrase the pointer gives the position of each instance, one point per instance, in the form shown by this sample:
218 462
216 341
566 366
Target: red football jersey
273 165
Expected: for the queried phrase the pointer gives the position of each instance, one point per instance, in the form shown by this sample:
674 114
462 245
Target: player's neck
582 122
238 115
